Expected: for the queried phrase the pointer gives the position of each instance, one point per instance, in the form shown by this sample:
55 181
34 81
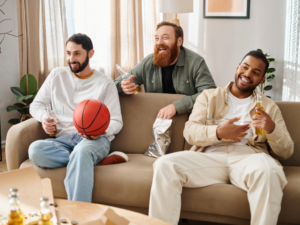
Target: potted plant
24 96
269 75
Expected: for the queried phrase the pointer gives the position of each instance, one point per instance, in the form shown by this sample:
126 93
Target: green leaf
32 84
14 121
22 98
271 59
268 88
21 106
17 91
270 78
17 106
35 92
267 55
271 70
10 108
259 50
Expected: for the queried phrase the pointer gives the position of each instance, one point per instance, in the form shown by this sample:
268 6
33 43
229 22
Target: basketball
91 117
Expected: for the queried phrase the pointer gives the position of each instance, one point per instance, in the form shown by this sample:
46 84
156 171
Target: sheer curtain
53 36
291 80
92 17
122 31
28 26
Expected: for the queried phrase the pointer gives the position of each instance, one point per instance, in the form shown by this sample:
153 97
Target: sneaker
114 158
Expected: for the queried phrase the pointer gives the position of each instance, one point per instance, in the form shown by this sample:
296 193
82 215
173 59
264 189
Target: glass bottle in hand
259 104
125 76
51 115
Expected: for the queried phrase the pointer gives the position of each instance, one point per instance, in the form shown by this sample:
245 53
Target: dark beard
249 89
165 59
81 66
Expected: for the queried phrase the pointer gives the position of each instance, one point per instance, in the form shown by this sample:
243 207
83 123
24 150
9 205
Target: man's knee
35 151
80 152
165 163
266 169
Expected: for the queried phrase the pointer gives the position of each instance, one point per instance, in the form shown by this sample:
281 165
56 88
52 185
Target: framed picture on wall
230 9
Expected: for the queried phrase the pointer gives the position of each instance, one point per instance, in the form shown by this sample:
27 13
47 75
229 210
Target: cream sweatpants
256 173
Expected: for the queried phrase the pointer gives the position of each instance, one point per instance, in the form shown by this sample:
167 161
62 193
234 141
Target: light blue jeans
80 155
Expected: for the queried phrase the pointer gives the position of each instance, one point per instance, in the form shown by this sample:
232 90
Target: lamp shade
175 6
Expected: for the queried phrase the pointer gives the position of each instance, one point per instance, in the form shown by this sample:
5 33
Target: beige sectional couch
127 185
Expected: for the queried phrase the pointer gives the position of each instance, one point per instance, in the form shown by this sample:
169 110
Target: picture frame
226 9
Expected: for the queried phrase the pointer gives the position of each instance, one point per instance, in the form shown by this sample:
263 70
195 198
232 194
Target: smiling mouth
74 64
245 80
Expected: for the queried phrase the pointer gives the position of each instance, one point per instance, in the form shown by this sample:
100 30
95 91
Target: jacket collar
229 85
180 60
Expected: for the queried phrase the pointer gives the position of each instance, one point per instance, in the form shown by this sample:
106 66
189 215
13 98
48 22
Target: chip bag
162 134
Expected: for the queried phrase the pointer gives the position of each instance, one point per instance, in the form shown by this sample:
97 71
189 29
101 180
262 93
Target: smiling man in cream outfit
250 164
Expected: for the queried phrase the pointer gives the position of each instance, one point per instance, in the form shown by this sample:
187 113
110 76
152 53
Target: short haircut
258 55
81 39
178 30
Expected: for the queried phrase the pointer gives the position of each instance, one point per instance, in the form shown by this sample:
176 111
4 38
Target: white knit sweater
64 92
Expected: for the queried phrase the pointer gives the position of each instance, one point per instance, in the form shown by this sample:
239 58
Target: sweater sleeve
112 102
41 100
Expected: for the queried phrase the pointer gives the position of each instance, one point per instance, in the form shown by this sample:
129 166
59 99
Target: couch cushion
137 134
129 184
122 184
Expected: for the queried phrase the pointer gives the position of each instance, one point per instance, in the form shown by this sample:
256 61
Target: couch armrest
18 139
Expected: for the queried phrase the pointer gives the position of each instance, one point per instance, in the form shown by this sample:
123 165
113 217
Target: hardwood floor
3 167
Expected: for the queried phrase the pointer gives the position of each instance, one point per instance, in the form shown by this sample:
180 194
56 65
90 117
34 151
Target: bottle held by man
14 206
51 115
259 104
45 211
125 77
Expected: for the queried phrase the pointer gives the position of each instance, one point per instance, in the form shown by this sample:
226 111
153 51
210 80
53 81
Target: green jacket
190 77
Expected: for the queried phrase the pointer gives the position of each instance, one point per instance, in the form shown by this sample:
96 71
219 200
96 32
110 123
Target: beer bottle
51 114
14 217
45 211
125 77
14 191
259 104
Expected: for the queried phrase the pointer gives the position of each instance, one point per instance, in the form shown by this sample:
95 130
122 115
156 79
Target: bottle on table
14 191
45 211
14 206
125 76
259 104
51 115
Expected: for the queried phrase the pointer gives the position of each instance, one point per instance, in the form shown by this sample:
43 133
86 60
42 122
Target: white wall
224 42
9 64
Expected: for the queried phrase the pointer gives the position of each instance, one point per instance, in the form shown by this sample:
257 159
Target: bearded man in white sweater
64 89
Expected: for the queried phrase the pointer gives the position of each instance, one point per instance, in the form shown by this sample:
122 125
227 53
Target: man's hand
47 125
167 112
128 86
263 121
92 137
228 130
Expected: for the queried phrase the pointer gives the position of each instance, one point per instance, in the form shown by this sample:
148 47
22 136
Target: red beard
165 58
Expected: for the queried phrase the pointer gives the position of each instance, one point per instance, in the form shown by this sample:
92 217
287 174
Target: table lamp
175 6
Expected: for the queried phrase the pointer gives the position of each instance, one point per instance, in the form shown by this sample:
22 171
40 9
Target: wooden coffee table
83 212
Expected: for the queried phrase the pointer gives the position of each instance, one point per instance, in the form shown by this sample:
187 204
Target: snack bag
162 134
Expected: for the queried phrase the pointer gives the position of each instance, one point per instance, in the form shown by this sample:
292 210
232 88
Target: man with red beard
171 69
